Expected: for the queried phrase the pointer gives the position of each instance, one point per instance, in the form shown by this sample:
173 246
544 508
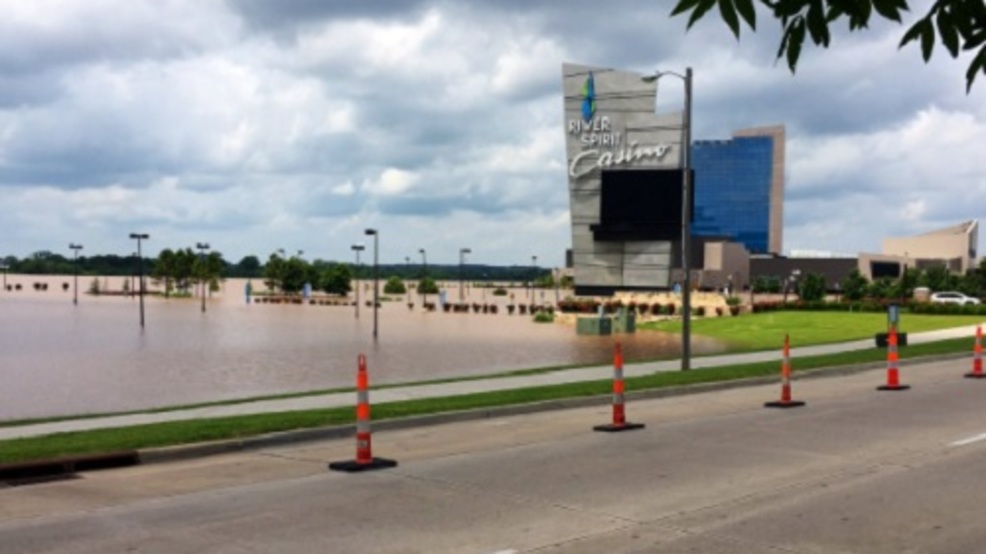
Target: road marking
970 440
511 551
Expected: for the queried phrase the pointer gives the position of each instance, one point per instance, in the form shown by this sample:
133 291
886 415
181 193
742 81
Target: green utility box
594 326
625 322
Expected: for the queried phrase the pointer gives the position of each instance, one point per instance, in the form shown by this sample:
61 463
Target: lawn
764 331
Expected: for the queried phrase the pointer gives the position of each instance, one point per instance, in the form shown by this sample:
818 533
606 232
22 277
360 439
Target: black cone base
613 428
352 466
783 404
975 375
893 387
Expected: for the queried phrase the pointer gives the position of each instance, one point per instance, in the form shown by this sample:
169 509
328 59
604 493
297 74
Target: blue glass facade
732 190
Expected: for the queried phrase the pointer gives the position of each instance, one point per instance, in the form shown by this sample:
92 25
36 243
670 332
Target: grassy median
186 432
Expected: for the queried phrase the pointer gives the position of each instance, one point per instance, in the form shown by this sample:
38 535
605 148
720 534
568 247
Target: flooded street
61 359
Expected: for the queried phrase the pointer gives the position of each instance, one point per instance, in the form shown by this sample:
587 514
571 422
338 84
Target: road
857 470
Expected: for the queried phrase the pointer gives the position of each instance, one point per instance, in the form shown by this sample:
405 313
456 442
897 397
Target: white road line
970 440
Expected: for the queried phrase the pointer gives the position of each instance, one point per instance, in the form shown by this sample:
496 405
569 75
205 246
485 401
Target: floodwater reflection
60 359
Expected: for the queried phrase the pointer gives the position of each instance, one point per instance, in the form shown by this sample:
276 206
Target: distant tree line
857 287
179 269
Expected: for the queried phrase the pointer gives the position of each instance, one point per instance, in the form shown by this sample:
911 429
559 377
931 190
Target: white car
952 297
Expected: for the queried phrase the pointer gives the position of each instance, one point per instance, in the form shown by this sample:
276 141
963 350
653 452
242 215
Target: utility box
625 321
594 326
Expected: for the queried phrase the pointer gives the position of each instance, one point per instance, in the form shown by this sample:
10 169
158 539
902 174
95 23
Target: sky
257 125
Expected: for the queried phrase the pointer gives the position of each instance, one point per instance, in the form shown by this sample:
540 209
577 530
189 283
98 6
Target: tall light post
376 276
424 273
75 248
140 265
686 213
534 270
203 247
462 259
357 248
4 267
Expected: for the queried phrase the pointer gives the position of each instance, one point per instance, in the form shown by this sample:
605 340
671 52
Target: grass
186 432
764 331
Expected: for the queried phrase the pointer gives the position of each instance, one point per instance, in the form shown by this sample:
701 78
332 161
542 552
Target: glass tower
733 181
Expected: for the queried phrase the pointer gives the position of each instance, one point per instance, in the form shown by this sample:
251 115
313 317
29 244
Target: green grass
187 432
764 331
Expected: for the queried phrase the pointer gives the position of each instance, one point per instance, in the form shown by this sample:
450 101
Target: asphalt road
857 470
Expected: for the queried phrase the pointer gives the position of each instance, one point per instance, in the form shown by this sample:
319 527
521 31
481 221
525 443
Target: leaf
747 12
683 6
788 8
912 34
817 25
728 12
948 33
888 9
795 42
701 9
977 66
927 39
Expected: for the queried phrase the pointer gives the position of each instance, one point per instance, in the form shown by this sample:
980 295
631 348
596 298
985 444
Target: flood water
61 359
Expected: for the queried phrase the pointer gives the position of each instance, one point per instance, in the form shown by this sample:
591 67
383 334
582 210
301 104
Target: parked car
952 297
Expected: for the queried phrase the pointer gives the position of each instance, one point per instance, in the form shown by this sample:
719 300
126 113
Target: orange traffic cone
977 356
785 401
364 454
619 409
893 379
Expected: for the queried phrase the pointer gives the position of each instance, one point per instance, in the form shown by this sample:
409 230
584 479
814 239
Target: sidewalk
414 392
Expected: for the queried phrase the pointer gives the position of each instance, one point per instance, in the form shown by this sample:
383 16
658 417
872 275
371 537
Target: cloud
257 126
391 182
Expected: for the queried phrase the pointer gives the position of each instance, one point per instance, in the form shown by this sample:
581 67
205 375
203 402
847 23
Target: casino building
625 189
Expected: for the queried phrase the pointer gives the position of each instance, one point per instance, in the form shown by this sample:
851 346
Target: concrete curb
285 438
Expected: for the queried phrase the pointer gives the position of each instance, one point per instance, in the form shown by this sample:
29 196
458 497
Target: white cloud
391 182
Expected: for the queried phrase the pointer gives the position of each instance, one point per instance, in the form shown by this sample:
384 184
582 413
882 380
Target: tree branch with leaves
960 25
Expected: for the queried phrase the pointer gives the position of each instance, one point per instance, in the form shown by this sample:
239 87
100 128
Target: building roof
964 228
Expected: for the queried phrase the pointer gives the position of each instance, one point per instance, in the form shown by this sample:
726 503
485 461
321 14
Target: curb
285 438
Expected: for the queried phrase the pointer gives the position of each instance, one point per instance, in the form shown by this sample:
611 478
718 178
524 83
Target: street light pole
140 262
376 276
424 273
202 246
462 256
534 267
4 268
686 213
75 248
357 248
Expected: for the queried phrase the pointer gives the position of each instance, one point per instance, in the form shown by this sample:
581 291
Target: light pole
376 276
4 267
686 213
357 248
202 246
534 268
424 273
75 248
462 258
140 265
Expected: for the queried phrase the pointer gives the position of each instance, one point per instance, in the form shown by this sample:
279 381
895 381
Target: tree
249 266
164 270
960 24
336 279
855 286
394 285
812 289
937 278
274 272
427 286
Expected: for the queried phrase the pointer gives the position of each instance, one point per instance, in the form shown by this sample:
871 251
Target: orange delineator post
364 452
785 401
977 356
893 377
619 399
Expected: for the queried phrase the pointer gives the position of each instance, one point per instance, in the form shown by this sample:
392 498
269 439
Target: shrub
499 291
700 311
544 317
733 301
394 285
